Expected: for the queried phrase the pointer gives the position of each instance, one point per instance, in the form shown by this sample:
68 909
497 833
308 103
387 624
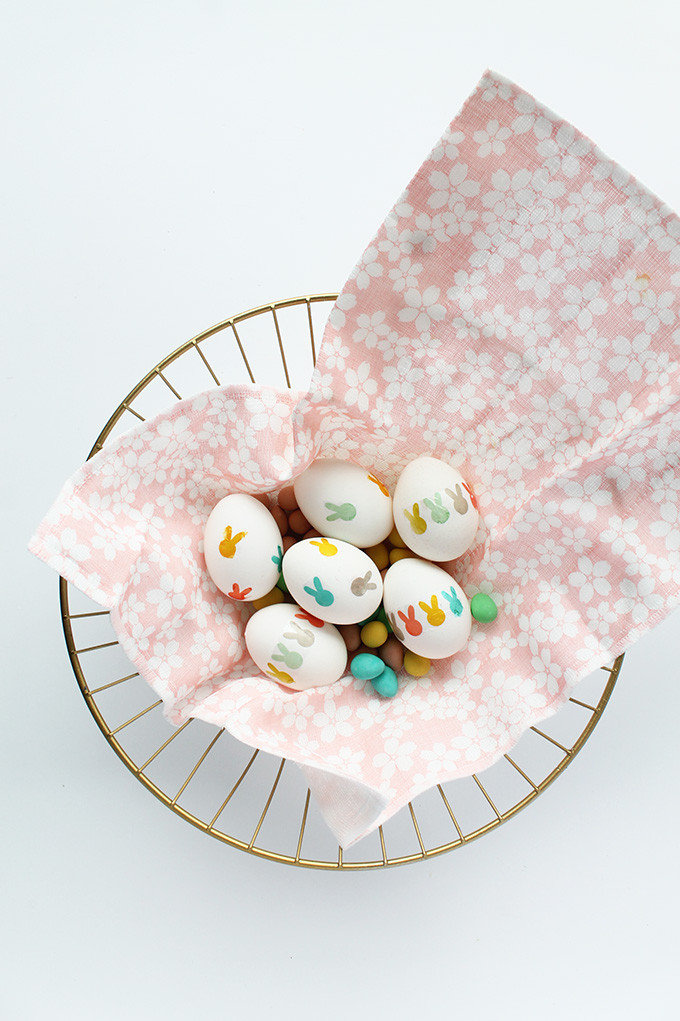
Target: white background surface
165 165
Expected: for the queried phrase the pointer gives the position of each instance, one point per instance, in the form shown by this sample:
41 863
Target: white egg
242 547
428 610
295 648
344 501
333 580
435 510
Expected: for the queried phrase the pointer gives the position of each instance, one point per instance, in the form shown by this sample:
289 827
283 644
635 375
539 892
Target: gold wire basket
243 796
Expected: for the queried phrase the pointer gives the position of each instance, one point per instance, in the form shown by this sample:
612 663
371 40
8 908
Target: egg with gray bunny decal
435 510
332 580
295 648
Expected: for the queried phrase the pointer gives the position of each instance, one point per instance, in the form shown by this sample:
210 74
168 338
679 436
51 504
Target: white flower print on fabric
516 315
492 139
422 309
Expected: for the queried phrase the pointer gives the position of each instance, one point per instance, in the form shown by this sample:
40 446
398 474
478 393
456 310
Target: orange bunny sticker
413 626
228 544
473 498
309 617
383 489
238 593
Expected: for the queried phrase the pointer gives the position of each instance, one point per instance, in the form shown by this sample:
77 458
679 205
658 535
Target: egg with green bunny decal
332 580
435 509
345 501
296 649
428 611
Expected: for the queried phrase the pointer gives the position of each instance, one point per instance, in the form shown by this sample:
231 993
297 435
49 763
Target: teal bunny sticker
346 511
277 557
291 659
437 510
454 602
322 595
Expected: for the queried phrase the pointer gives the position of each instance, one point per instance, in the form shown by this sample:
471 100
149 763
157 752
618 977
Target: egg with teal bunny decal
345 501
428 611
295 648
435 509
332 579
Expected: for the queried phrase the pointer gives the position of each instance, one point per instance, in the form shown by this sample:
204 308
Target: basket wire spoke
260 793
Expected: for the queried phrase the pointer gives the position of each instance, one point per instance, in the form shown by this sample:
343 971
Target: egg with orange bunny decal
435 509
428 611
242 547
294 648
345 501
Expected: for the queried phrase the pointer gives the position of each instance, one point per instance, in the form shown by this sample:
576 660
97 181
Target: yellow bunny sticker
418 524
228 544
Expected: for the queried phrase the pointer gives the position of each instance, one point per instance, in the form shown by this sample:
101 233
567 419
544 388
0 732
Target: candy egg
333 580
242 547
428 610
344 501
295 648
435 510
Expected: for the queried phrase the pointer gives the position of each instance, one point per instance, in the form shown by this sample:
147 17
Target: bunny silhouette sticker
345 511
398 633
277 557
362 585
309 617
413 626
417 523
453 601
326 548
279 675
437 510
473 498
299 634
237 593
435 615
322 595
228 544
459 501
383 489
291 659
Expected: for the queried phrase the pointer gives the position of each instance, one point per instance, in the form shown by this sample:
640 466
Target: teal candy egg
366 667
386 683
483 608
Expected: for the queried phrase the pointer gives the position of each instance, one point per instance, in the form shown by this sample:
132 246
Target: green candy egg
483 608
386 683
366 667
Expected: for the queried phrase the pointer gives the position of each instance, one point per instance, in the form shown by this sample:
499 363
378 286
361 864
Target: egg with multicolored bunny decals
295 648
332 579
435 510
242 547
344 501
428 611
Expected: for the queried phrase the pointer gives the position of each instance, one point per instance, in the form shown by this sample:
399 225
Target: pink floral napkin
518 315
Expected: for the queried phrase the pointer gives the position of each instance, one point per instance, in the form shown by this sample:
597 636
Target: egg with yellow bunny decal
295 648
435 510
428 611
332 579
242 547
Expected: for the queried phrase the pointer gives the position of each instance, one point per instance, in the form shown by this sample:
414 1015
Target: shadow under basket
245 797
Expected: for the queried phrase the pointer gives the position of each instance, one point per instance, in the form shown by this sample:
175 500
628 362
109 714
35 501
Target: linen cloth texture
517 315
